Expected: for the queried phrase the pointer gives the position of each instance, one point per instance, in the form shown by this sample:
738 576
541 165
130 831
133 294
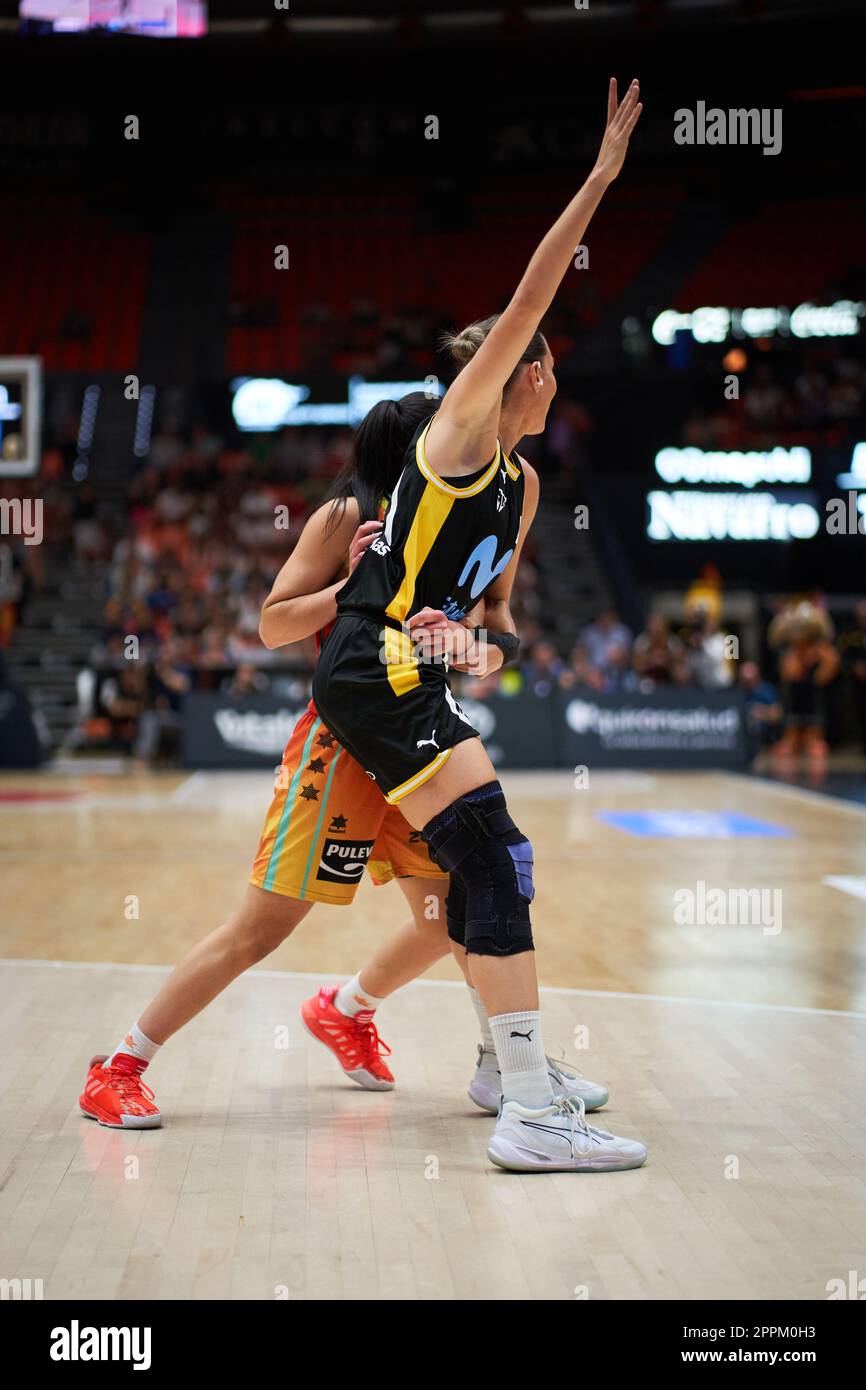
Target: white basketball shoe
557 1139
486 1086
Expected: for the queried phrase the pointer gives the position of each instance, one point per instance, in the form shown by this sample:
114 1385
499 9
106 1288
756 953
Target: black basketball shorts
392 712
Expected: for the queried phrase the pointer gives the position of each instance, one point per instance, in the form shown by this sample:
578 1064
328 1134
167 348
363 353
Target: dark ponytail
378 452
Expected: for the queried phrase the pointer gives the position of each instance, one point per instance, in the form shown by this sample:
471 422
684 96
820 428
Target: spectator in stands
604 640
247 680
681 671
808 662
212 653
763 708
656 652
543 669
707 650
168 681
620 675
110 654
852 647
580 671
123 698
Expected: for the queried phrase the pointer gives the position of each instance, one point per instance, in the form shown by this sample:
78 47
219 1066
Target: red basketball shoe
116 1096
354 1041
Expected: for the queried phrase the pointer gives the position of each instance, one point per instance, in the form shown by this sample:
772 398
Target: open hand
622 117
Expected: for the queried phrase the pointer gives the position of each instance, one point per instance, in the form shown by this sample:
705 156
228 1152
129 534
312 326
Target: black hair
378 453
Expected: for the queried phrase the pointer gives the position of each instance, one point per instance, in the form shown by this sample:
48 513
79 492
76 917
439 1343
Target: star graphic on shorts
326 740
309 793
316 765
338 823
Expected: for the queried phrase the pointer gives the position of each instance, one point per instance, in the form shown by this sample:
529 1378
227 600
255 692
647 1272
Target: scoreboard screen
171 19
20 416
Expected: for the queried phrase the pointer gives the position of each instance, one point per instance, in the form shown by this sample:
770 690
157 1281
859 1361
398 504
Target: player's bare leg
470 833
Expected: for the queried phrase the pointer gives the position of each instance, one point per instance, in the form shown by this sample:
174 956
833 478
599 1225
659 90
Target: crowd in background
187 563
787 714
208 527
817 394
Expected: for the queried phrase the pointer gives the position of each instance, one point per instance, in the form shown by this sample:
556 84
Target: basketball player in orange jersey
326 821
453 531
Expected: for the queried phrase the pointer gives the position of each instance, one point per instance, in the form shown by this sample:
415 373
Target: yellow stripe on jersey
478 486
413 783
401 662
512 470
429 518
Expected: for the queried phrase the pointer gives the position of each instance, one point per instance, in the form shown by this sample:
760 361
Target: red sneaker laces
370 1045
129 1084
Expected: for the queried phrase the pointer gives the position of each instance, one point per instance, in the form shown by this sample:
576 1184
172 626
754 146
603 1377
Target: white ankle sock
483 1020
135 1044
352 1000
520 1050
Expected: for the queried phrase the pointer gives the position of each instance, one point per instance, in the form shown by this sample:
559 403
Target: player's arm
304 596
497 600
484 657
465 425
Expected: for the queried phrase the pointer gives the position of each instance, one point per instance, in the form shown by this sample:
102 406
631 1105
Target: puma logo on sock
527 1036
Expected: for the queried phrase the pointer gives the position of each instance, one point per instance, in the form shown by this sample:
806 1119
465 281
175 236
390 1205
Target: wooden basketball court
735 1051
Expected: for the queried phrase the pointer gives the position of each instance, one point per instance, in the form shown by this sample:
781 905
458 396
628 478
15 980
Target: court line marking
188 787
847 883
136 968
825 799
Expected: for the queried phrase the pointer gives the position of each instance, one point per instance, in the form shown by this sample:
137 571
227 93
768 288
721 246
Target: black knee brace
490 864
455 910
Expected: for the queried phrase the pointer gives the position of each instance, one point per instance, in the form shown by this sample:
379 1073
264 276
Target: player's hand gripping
436 638
362 540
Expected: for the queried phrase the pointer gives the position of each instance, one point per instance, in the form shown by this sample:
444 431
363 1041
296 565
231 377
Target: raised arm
304 596
465 425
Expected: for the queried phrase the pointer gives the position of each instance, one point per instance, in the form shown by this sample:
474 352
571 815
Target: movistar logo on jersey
482 561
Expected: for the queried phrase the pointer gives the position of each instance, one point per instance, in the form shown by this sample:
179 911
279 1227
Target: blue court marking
694 825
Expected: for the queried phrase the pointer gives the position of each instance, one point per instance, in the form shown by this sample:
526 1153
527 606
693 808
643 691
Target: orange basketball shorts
328 822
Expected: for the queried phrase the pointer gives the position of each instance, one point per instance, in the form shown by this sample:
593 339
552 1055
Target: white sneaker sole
518 1160
361 1078
128 1121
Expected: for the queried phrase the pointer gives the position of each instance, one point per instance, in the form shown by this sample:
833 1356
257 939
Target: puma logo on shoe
527 1036
422 741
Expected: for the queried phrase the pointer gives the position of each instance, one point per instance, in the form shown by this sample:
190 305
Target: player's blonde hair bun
463 346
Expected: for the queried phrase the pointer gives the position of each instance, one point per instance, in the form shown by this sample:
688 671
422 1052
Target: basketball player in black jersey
452 536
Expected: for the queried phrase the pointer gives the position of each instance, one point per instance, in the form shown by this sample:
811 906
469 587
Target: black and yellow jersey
444 541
